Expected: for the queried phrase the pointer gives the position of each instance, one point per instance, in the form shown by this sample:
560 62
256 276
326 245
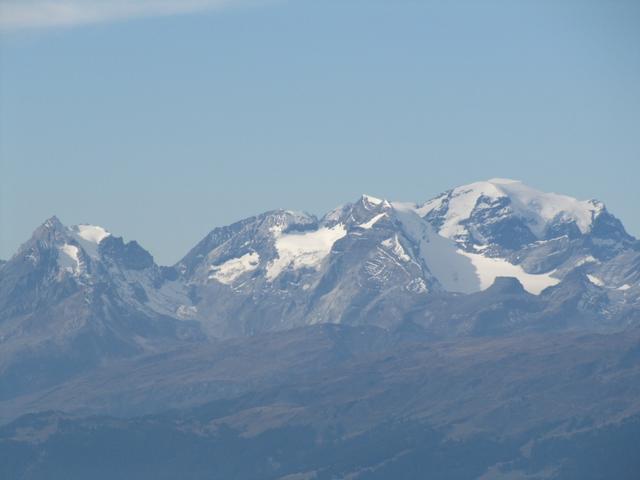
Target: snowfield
536 207
68 258
230 270
89 237
306 249
459 271
488 269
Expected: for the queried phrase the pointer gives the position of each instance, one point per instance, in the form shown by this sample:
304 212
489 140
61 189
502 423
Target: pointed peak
539 209
52 227
52 222
48 233
370 199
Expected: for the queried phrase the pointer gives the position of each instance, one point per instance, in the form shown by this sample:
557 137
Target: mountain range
419 324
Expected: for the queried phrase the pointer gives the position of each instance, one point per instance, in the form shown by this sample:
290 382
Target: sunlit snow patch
488 269
68 258
454 272
372 200
595 280
536 207
306 249
230 270
372 222
92 233
459 271
585 260
393 244
89 237
417 285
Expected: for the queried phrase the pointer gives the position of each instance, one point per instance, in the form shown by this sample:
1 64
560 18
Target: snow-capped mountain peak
455 213
370 202
546 207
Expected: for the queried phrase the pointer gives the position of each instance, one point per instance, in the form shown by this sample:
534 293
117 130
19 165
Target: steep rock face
510 214
541 231
71 298
540 238
281 270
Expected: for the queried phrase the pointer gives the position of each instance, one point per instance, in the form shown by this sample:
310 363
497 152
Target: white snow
372 222
536 207
595 280
417 285
305 249
68 258
230 270
461 205
459 271
455 272
432 204
547 206
624 287
372 200
394 245
89 237
584 260
488 269
91 233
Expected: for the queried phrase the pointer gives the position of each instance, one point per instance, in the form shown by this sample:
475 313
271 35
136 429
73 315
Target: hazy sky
163 119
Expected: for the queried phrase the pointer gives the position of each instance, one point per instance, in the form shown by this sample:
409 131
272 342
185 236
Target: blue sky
166 120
